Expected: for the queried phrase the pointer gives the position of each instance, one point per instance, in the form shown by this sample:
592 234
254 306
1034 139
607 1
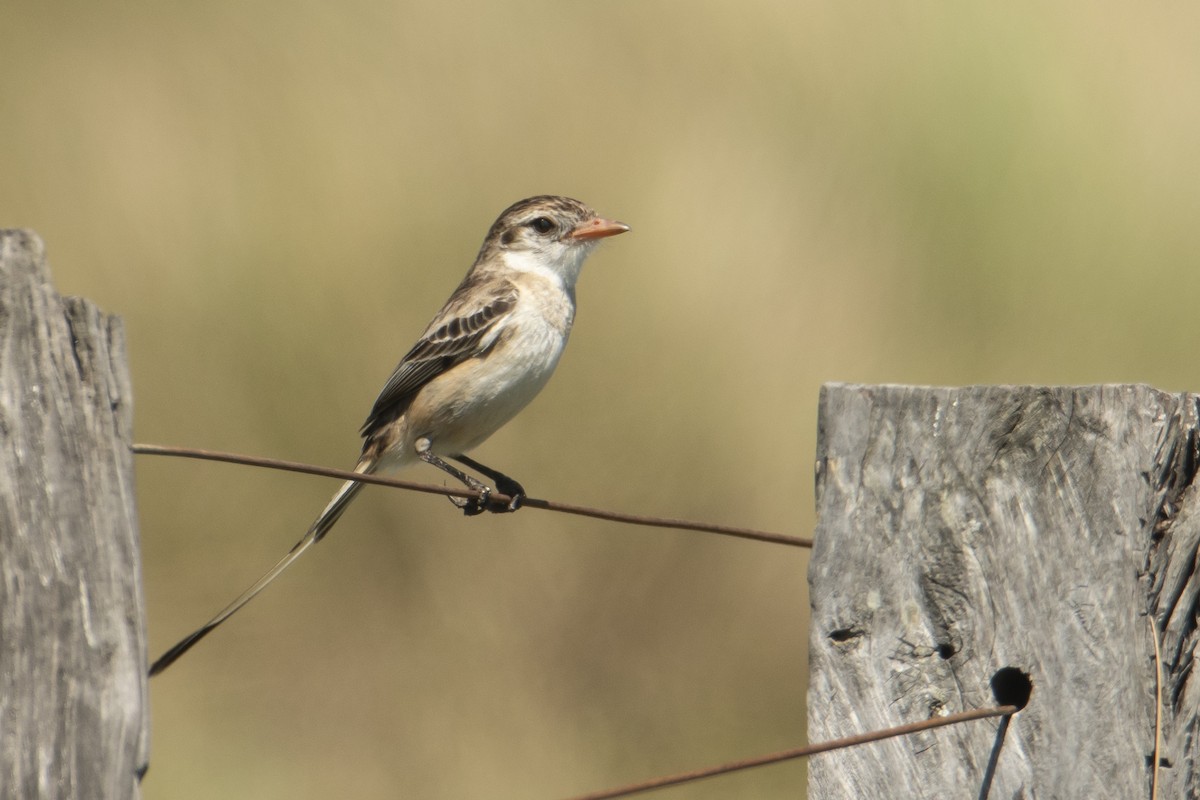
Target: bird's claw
473 506
515 492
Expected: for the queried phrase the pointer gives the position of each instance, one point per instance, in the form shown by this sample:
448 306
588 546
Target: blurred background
276 197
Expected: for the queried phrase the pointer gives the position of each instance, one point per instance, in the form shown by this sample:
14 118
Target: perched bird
484 356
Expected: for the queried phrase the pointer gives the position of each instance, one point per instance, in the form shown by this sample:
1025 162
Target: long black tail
318 530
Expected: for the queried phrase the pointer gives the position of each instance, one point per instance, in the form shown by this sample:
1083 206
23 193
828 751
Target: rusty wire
800 752
500 500
496 499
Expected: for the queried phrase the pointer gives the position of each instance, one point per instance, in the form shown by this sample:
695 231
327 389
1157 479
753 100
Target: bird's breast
470 402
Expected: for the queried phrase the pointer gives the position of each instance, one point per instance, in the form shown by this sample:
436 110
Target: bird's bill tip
597 228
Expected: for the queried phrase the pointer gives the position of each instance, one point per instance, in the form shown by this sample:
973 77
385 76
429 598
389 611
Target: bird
484 356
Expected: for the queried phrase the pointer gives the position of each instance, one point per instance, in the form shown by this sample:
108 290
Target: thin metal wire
496 499
612 516
1157 707
800 752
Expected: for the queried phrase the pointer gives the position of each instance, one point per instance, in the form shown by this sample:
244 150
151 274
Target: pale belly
463 407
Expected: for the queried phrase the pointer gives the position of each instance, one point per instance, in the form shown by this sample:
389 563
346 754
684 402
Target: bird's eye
542 224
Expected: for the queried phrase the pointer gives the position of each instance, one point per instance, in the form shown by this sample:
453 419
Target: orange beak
597 228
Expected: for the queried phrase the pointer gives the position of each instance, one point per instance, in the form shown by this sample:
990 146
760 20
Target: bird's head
548 234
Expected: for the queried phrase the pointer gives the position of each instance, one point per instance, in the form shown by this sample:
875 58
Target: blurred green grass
276 197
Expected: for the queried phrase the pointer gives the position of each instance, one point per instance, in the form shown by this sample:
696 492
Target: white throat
560 264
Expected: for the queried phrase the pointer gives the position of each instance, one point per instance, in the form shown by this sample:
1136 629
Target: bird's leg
470 507
504 484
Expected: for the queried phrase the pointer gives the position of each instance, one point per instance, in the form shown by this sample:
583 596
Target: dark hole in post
845 634
1011 687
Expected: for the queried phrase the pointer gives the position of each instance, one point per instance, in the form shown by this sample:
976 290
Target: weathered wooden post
963 531
73 710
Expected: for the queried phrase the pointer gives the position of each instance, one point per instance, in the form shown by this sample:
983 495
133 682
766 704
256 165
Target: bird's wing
465 327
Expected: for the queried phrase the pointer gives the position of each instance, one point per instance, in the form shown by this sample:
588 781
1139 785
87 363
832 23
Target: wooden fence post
963 531
73 710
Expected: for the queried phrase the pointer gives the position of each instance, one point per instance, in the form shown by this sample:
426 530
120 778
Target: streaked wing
462 330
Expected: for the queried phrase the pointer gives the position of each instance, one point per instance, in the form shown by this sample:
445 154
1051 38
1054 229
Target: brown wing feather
456 334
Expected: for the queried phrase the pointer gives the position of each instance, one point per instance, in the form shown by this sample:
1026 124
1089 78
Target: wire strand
496 499
800 752
612 516
1157 707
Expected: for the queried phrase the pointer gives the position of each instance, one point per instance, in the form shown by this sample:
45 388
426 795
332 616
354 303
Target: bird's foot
515 492
473 506
505 485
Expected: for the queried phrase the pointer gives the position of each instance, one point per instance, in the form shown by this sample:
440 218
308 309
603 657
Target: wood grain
73 710
962 531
